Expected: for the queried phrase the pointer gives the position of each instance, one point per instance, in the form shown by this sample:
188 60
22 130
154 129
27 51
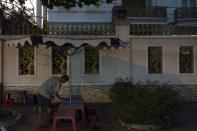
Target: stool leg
54 124
74 124
40 112
49 111
83 115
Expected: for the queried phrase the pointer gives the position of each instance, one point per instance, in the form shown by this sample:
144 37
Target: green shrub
145 103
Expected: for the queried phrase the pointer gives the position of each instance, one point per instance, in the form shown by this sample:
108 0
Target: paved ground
186 120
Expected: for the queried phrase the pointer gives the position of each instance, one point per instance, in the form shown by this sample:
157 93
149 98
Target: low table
76 104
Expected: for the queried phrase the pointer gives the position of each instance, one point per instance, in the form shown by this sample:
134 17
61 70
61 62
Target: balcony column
39 13
122 27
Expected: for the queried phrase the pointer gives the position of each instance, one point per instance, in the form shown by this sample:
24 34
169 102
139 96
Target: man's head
64 78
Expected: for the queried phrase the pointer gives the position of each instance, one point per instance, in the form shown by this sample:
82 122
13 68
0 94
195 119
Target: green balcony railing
62 29
161 29
81 29
98 29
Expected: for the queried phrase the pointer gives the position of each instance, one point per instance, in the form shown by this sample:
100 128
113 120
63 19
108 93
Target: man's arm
58 96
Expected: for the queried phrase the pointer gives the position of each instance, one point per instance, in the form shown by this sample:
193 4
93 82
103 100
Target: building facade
161 45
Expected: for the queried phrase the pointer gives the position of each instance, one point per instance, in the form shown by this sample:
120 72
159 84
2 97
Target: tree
14 14
16 7
72 3
65 3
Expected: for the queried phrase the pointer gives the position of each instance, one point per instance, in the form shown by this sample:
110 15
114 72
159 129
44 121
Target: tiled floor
186 120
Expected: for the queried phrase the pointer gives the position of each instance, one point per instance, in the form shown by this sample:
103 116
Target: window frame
147 60
100 64
51 64
35 64
194 61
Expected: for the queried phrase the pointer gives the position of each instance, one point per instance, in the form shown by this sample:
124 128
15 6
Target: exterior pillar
1 59
122 27
39 13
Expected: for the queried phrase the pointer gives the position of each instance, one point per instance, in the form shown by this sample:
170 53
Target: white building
161 45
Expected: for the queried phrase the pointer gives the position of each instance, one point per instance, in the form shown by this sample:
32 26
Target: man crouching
48 91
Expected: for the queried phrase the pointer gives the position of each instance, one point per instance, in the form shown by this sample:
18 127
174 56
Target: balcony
138 14
161 29
186 16
93 29
81 29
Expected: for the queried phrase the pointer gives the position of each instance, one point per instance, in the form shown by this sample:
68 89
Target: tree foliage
65 3
10 8
72 3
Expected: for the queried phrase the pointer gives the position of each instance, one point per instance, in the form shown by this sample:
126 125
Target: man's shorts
44 102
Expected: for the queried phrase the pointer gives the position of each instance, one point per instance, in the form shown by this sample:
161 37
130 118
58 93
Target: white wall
85 14
66 16
115 63
170 46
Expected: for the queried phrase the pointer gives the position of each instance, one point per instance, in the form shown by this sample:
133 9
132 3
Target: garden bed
152 104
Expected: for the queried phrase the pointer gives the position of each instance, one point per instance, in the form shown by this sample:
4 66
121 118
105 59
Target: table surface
74 101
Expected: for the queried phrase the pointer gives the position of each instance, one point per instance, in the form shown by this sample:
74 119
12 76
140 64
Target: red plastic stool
94 125
66 115
8 101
